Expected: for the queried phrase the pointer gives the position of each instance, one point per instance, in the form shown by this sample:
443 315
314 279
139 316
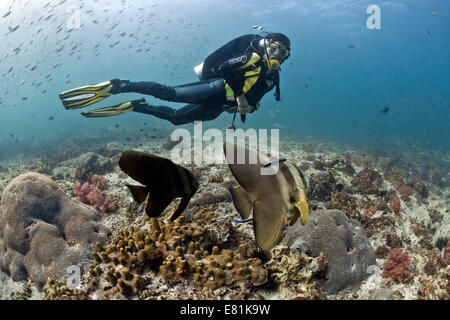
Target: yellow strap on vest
251 77
254 58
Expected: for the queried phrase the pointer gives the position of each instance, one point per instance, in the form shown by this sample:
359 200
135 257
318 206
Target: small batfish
163 182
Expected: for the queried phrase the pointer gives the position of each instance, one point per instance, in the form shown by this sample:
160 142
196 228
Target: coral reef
89 194
57 290
342 241
404 190
91 163
42 231
344 202
98 181
382 252
296 271
394 241
207 198
179 251
368 181
321 186
112 149
42 168
395 204
446 256
397 266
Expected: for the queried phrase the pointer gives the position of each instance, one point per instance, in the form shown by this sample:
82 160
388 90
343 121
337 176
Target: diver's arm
234 76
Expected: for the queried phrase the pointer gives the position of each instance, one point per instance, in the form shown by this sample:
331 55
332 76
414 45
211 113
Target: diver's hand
243 106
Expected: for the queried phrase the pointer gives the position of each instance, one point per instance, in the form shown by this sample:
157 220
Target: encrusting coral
178 250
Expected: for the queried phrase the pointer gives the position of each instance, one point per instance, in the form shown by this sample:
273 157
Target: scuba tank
199 71
209 68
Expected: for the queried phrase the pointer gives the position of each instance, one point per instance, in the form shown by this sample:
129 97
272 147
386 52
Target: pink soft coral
89 194
98 181
397 266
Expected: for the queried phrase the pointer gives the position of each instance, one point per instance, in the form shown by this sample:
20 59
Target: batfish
163 182
274 199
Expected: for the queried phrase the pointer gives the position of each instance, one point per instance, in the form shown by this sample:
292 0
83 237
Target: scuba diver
234 79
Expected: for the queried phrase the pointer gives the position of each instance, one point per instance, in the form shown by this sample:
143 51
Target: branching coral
89 194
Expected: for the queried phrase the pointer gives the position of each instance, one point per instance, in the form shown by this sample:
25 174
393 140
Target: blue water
338 79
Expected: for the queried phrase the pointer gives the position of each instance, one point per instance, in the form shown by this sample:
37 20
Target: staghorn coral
397 266
89 194
57 290
367 181
179 251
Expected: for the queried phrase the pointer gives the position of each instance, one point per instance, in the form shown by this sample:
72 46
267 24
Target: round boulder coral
43 232
341 240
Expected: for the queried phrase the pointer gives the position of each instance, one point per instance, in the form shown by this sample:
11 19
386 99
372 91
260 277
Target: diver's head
277 47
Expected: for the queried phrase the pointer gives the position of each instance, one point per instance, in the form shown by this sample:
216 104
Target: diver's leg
187 93
187 114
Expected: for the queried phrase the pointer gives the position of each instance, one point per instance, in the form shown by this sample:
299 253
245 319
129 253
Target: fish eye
291 199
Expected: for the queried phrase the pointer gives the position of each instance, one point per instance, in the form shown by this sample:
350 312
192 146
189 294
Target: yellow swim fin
112 111
84 96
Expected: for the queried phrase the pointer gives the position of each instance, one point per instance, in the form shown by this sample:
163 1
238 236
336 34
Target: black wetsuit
241 71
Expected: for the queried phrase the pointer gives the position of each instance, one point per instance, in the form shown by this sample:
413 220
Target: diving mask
276 53
277 50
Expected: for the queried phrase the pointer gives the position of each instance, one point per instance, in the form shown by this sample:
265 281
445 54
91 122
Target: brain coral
343 243
42 231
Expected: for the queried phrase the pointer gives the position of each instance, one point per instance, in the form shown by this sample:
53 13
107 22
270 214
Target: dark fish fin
183 204
267 225
242 201
139 193
157 204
